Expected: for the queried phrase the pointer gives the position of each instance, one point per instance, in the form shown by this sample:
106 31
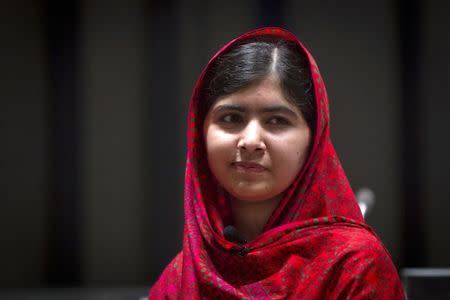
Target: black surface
136 293
426 284
410 55
62 28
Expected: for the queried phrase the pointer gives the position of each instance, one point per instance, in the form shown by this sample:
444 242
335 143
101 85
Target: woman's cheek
291 152
218 141
219 147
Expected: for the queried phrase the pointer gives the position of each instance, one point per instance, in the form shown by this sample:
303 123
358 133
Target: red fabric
314 246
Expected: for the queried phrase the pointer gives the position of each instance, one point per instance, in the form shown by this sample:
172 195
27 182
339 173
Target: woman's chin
252 194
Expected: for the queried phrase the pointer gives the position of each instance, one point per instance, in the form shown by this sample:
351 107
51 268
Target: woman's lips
248 167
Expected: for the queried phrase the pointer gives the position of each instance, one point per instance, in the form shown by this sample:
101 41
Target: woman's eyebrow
280 109
267 109
227 107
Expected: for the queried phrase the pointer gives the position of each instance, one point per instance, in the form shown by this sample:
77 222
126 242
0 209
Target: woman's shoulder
173 269
357 240
177 260
169 281
364 265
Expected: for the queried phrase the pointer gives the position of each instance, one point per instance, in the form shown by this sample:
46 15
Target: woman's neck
250 217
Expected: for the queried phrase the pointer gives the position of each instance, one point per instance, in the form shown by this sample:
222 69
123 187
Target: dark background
93 102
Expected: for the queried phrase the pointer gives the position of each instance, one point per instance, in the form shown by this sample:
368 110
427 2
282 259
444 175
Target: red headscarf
314 246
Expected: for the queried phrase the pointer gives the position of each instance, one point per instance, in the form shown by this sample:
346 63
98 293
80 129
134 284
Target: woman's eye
278 121
231 118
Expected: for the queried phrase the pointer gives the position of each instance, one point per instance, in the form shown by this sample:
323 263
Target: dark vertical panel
64 232
23 145
410 41
163 135
436 109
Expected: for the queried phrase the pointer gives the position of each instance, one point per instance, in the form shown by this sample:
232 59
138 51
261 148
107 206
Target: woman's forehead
266 96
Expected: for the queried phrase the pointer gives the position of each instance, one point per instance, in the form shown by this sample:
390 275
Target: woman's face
256 141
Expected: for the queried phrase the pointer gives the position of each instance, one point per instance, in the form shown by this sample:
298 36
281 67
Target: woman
269 213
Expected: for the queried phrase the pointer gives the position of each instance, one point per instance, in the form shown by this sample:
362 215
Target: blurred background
93 109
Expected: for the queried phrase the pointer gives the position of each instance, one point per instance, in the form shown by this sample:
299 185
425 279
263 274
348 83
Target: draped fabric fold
315 245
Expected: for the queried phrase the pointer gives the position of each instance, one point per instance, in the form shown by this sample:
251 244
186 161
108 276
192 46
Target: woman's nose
251 138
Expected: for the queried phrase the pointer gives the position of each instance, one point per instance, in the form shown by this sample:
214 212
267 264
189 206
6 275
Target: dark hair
253 60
